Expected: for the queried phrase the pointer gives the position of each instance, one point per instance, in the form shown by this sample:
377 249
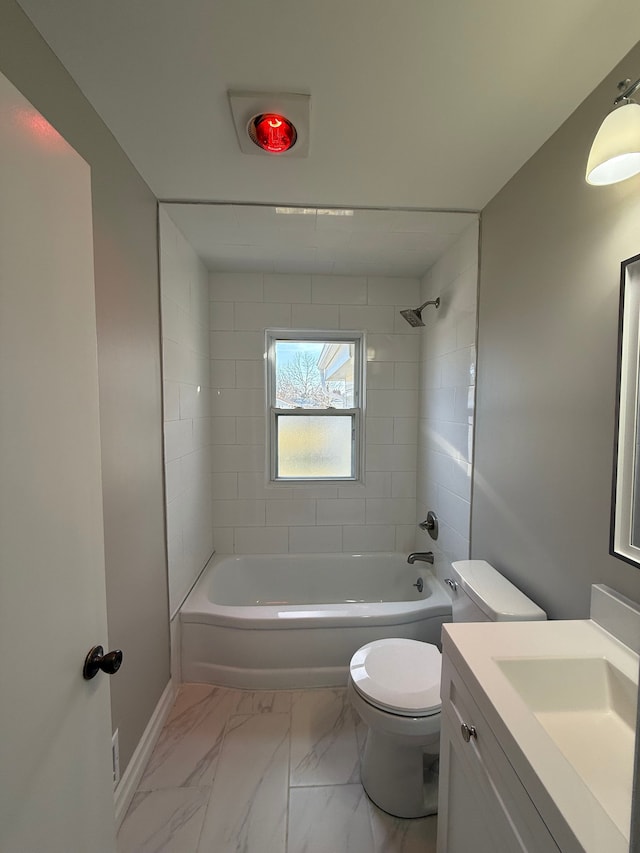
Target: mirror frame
627 430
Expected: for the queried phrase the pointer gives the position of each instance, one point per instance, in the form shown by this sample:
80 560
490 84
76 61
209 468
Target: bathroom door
56 790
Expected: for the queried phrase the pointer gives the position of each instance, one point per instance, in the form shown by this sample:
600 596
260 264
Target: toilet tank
484 595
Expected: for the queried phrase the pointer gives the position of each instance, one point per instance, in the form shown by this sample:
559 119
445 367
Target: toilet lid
401 676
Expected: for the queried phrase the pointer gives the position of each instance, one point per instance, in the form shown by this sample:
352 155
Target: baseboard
130 779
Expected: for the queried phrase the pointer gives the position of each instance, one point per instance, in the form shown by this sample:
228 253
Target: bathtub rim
199 609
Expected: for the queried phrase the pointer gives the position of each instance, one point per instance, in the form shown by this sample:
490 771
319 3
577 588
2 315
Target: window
315 405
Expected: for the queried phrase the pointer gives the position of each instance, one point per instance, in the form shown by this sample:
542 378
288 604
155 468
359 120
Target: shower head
413 316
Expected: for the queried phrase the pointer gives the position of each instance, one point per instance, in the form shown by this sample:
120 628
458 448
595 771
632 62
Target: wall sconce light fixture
615 153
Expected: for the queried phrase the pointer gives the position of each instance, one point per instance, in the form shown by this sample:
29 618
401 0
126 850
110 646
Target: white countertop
576 817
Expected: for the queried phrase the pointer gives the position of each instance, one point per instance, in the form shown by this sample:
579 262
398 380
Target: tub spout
425 557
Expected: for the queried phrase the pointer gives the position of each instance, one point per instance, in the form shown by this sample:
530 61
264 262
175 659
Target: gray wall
127 306
551 249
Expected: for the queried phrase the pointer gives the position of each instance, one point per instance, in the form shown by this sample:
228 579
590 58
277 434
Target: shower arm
435 302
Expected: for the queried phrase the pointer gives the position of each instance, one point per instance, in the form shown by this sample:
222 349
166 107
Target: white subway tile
223 430
403 484
221 316
236 287
380 374
238 401
466 329
406 538
261 540
201 433
237 457
291 513
250 374
391 457
315 317
454 511
178 439
260 316
366 538
172 324
223 540
371 318
341 511
394 291
195 401
287 288
175 361
171 401
307 492
464 405
238 513
224 486
379 430
252 484
406 375
399 403
383 347
237 345
315 540
390 510
195 471
250 430
449 438
339 290
438 404
173 479
223 373
377 485
405 430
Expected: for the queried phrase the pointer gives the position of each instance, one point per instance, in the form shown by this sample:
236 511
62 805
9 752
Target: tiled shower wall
447 399
252 517
187 402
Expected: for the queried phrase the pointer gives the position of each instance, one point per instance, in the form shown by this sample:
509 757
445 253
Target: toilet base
400 779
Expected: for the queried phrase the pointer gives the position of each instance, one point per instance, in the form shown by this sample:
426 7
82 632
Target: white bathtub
289 620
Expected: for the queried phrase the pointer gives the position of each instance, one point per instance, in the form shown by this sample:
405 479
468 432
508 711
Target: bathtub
289 620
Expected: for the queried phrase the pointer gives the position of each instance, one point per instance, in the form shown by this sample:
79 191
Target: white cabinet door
56 790
483 806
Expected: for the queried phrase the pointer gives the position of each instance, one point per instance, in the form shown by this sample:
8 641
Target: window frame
356 413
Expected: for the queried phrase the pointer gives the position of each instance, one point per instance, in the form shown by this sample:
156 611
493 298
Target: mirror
625 514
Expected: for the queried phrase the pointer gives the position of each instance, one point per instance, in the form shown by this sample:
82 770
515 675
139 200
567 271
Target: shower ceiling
238 238
414 103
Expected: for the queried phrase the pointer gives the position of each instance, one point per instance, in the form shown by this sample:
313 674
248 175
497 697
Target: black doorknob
96 659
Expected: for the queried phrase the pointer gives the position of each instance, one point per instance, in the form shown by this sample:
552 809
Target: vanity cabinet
483 806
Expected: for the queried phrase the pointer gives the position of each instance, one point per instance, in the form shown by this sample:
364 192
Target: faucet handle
451 583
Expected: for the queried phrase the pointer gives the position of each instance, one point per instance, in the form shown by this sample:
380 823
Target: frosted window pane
314 446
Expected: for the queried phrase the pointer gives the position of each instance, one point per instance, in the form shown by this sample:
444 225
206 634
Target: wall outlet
115 758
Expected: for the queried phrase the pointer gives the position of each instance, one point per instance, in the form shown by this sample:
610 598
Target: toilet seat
399 676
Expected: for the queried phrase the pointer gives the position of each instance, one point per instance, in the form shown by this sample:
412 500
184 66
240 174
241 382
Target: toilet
394 685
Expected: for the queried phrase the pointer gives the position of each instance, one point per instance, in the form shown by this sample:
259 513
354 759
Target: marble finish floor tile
397 835
190 742
263 702
329 819
324 748
248 807
167 821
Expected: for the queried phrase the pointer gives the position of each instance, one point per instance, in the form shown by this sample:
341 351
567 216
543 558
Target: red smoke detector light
272 132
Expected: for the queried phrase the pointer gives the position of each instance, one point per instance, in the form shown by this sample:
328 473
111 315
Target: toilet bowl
394 685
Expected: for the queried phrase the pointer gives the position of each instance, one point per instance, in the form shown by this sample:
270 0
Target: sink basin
588 708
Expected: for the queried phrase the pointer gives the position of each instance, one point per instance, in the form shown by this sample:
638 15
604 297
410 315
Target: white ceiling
323 241
429 104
